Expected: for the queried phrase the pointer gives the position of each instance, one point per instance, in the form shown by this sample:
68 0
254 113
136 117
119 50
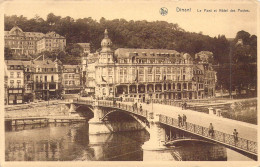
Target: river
71 142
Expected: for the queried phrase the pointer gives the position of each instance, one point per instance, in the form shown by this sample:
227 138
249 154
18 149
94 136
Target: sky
209 23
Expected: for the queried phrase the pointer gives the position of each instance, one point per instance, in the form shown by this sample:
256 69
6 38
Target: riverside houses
47 78
14 82
71 79
147 73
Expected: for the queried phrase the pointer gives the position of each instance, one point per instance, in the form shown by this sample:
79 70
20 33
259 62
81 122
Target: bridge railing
125 107
87 102
221 137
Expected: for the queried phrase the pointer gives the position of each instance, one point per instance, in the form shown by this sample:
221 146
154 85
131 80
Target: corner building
144 73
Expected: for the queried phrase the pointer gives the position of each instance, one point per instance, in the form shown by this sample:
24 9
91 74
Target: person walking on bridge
184 120
185 105
235 134
211 130
179 120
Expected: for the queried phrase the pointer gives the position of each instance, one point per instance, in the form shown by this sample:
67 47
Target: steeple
106 43
106 33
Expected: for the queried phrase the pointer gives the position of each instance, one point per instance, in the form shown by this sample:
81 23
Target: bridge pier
157 135
96 126
72 110
154 148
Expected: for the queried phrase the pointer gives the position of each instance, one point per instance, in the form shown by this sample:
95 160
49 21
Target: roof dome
106 43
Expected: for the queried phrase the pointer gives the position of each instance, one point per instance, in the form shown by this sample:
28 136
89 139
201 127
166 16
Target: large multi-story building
14 82
47 78
26 81
32 42
85 47
146 73
50 42
71 77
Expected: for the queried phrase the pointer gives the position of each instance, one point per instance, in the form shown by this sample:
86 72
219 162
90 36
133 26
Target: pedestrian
211 130
185 105
114 102
184 120
179 120
235 134
182 105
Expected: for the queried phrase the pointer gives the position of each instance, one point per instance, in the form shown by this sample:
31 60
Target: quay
42 120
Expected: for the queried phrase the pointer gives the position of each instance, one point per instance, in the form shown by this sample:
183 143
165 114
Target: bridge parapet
220 137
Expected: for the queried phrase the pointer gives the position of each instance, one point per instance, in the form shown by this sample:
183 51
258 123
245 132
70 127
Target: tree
8 53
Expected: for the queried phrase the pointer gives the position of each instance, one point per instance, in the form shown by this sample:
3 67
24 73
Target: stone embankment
44 112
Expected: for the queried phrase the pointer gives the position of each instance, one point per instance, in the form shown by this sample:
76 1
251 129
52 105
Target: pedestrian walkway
245 130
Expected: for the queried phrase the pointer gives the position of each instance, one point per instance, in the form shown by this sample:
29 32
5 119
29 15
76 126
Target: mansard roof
145 53
18 31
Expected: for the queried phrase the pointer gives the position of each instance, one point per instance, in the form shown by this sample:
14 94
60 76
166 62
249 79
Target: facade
14 82
71 79
50 42
145 73
32 42
47 79
85 47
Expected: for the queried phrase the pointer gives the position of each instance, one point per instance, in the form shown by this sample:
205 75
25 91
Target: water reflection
71 142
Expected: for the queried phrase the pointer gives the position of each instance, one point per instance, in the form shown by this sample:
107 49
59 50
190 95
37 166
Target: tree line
153 35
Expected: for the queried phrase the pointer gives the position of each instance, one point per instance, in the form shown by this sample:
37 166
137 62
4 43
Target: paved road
245 130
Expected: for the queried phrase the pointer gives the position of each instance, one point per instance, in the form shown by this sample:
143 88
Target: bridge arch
143 121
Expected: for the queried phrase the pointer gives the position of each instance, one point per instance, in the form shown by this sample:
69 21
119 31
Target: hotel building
147 73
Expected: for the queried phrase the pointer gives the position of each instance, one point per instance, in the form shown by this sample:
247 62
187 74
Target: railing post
194 128
202 131
224 137
247 144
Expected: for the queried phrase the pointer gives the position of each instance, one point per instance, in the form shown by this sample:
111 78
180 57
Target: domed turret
106 43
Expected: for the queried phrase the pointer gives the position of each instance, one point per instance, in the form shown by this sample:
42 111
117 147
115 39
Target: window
149 78
110 71
158 70
18 74
18 83
52 78
125 71
184 86
141 70
45 78
141 78
121 71
168 70
11 74
157 78
11 83
150 70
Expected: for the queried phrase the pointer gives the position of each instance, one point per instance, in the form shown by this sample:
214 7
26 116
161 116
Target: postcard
112 83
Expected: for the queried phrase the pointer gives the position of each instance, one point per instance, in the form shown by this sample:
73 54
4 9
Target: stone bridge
154 121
